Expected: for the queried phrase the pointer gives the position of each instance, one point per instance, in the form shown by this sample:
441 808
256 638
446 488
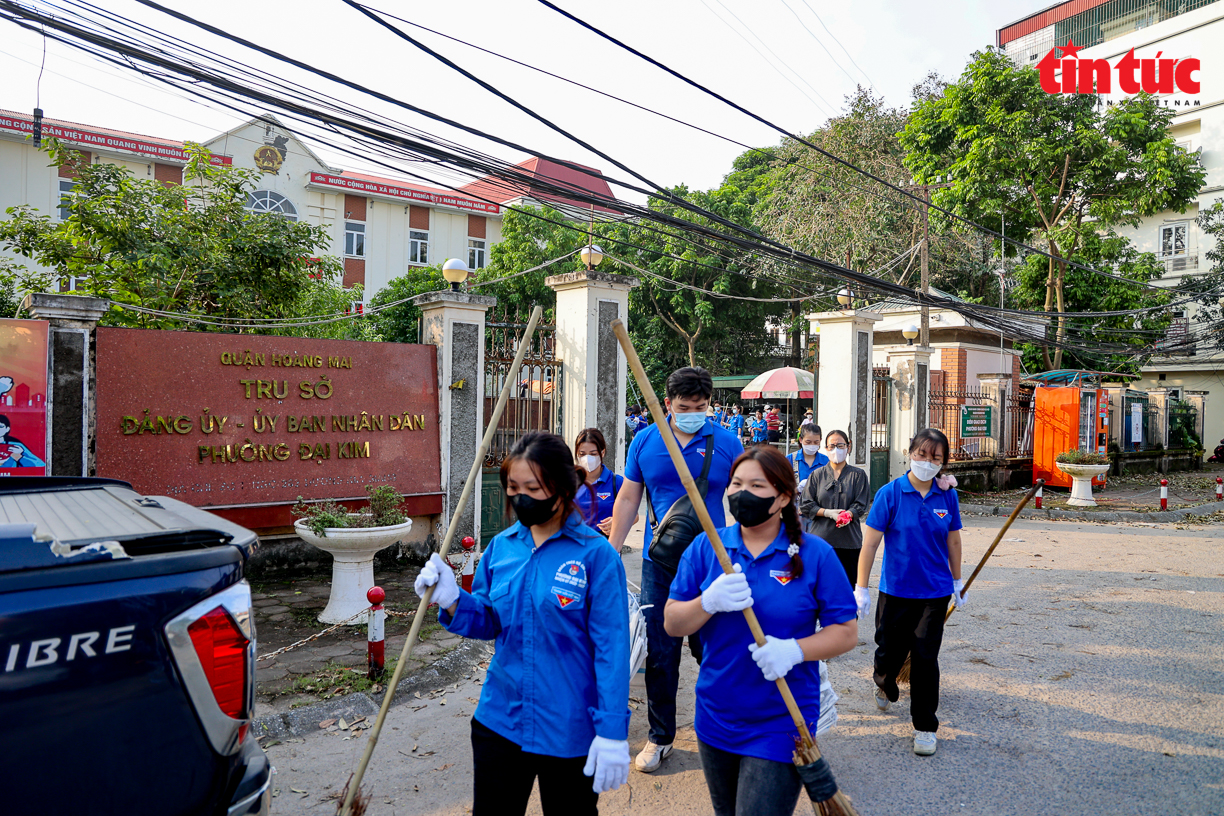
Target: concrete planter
352 550
1081 482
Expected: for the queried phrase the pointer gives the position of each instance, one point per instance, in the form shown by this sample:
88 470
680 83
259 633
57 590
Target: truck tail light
221 647
213 644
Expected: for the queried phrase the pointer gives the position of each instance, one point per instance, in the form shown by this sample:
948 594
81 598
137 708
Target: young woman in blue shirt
795 585
597 493
551 592
919 520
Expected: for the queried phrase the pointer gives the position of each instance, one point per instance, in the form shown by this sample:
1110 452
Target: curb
1077 515
302 721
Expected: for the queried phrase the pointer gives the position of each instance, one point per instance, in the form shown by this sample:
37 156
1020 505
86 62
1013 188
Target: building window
1172 240
354 239
476 253
266 201
66 186
418 247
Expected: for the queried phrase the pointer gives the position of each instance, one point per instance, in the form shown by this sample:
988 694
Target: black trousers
504 774
849 560
914 627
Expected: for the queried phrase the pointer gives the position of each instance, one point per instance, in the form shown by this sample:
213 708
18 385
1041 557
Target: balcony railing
1180 263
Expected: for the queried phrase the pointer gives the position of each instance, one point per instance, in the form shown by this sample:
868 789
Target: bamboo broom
903 676
352 790
813 769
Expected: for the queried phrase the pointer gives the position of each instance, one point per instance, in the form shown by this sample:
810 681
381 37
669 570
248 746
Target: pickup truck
127 654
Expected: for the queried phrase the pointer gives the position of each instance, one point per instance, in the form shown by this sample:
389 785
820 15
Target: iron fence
1183 425
945 409
881 408
535 404
1019 423
1140 423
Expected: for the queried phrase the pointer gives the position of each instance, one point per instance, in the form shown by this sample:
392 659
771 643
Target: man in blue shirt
648 468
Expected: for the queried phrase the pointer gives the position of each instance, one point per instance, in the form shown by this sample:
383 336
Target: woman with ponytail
599 485
795 585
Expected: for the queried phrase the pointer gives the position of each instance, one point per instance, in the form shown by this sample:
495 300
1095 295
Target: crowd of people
551 590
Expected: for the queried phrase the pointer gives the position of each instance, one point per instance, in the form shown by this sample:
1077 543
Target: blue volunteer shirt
800 465
605 489
738 710
560 617
760 430
915 561
648 463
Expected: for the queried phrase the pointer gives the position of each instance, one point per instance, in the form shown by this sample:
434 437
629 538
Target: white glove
777 656
437 574
958 592
728 593
862 599
607 763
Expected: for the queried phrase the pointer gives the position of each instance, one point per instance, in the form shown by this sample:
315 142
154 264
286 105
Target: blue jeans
662 656
748 786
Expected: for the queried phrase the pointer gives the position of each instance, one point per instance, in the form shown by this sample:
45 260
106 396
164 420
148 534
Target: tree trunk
1062 307
1049 301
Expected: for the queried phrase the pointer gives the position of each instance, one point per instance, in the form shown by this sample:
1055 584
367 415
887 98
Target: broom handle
415 630
1014 513
707 524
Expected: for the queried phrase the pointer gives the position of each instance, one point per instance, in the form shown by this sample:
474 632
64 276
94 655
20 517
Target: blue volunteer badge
940 513
604 496
783 577
569 583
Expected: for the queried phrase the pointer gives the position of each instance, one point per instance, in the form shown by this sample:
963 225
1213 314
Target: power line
812 34
836 40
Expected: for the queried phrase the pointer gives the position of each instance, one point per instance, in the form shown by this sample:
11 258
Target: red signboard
407 193
251 423
105 141
23 397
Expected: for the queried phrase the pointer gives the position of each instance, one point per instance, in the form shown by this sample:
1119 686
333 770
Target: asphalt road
1083 677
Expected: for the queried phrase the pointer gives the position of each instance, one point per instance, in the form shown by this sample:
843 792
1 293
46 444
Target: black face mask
749 509
533 511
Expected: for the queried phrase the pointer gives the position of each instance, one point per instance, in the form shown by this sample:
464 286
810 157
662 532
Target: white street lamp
591 256
455 272
909 333
845 297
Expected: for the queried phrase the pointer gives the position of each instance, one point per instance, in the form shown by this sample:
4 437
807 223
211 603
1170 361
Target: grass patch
336 681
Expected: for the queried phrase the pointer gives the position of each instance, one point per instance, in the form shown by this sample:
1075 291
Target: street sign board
975 420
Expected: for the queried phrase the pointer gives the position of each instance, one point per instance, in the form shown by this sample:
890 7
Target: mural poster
23 398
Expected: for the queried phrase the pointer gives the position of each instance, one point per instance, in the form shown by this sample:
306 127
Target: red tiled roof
554 174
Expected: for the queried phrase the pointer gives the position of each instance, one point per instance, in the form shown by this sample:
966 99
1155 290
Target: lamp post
909 333
591 255
455 272
845 297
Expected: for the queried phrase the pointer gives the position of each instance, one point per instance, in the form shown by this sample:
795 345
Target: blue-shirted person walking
648 467
551 592
600 486
808 457
795 585
920 520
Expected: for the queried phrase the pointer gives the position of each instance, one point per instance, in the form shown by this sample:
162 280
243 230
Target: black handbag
680 524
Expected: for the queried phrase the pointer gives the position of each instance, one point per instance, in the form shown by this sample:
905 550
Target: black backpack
680 524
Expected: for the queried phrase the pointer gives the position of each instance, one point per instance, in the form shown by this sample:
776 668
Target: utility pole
924 336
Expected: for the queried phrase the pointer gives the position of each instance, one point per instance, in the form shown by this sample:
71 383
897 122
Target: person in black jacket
835 501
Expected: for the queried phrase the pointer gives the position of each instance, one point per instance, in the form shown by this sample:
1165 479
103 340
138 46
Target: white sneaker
652 757
881 698
924 743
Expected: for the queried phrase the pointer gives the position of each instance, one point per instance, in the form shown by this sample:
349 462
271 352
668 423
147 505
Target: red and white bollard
1037 498
375 656
469 562
1164 494
1219 489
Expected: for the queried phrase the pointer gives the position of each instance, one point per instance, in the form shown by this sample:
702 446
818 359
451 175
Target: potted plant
1082 467
352 539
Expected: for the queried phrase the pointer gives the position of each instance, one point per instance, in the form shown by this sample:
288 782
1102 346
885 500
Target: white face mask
591 462
925 471
838 455
811 450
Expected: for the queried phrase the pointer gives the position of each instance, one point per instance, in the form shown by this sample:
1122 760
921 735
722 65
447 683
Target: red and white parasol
781 383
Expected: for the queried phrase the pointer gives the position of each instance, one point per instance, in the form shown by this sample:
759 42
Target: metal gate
881 427
534 405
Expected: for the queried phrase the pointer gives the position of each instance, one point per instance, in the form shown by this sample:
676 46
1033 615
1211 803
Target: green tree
1134 329
1207 289
192 248
1056 167
400 323
530 237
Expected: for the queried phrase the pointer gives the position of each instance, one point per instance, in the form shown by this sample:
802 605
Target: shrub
1079 457
385 510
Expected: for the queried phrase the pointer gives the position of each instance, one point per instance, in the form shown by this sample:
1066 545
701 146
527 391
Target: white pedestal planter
353 566
1081 482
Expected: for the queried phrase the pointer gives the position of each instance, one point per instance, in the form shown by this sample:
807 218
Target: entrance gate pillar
454 322
845 389
910 367
70 382
595 369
